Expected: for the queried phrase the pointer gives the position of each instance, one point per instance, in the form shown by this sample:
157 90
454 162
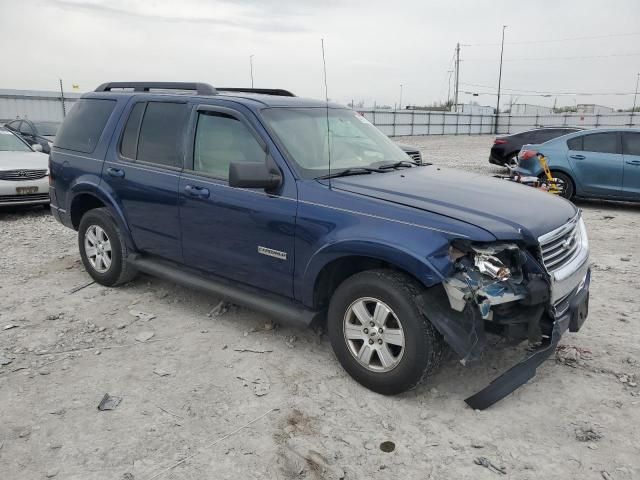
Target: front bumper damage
528 304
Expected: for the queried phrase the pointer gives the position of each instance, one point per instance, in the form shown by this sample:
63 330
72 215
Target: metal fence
34 105
396 123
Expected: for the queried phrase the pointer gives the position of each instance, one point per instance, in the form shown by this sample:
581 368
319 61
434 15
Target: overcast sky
372 46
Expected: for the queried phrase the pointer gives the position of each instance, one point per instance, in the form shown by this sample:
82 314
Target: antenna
326 98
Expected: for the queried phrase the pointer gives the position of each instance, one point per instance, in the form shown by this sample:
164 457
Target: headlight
499 261
583 233
492 266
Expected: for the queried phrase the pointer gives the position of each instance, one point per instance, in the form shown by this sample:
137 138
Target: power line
552 40
524 92
635 54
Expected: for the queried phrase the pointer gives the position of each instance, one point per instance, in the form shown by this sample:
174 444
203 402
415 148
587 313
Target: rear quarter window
84 124
575 143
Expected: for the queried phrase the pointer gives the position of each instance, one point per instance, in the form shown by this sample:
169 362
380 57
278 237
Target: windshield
47 128
10 143
354 142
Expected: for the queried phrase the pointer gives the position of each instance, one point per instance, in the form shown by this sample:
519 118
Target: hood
507 210
23 161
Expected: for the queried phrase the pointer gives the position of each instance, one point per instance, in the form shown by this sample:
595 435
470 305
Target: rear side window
84 124
575 143
161 134
600 142
631 143
129 145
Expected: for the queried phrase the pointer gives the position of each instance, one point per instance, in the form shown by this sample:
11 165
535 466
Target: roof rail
200 88
264 91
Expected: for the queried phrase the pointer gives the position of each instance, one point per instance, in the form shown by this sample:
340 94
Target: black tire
119 271
423 345
569 190
510 158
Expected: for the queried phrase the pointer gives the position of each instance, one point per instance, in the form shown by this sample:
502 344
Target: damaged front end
510 290
499 288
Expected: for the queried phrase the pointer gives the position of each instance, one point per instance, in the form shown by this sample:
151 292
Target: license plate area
26 190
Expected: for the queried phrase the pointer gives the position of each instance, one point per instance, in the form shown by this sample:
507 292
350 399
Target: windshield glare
353 141
10 143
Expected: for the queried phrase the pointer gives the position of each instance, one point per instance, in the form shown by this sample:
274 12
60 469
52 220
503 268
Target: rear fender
81 188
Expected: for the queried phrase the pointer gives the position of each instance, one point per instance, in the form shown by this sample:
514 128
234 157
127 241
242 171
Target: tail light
526 154
499 141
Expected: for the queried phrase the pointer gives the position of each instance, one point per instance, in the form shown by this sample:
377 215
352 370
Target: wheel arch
329 267
88 197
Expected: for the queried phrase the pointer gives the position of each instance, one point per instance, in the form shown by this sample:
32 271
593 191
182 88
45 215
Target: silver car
24 172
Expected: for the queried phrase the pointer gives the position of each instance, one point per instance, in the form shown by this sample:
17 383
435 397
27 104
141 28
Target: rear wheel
567 190
379 334
512 159
103 249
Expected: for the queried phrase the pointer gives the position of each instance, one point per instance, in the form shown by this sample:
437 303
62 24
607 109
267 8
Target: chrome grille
33 197
559 247
18 175
415 156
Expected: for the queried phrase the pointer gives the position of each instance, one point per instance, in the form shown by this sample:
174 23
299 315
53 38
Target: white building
593 109
527 109
473 109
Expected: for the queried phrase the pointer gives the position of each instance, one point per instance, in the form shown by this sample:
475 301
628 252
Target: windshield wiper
352 171
401 163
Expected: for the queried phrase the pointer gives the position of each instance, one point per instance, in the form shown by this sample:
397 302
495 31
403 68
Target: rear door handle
115 172
195 191
578 157
633 162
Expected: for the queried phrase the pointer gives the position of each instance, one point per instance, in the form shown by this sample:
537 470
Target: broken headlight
500 261
492 266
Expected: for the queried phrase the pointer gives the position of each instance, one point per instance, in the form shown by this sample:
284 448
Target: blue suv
304 210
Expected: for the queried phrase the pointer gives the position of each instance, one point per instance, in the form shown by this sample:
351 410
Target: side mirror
254 175
37 147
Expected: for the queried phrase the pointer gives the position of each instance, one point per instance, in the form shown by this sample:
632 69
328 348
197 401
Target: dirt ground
228 395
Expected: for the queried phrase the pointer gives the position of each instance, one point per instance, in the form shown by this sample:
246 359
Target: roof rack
263 91
199 88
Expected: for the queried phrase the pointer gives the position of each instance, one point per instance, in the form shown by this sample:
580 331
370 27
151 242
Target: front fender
429 269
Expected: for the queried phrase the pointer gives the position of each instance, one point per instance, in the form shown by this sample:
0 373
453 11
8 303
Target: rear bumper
61 216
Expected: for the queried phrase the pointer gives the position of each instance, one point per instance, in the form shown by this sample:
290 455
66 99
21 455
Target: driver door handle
633 162
197 192
115 172
578 157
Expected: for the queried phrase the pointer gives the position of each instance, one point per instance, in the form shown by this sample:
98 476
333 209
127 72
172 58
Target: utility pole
449 88
499 80
400 104
635 95
64 110
455 101
251 68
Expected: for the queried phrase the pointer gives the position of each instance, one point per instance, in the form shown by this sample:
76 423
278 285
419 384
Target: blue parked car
598 163
306 211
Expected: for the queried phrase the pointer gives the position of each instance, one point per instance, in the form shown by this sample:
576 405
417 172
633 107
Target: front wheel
379 334
103 249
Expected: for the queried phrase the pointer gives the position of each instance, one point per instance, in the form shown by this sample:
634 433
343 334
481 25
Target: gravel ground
201 376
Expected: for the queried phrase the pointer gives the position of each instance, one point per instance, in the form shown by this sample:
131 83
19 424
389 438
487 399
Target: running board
280 309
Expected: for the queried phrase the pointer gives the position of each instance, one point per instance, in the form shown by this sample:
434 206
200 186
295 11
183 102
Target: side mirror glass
254 175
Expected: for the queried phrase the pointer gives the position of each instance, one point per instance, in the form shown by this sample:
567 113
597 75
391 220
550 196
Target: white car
24 172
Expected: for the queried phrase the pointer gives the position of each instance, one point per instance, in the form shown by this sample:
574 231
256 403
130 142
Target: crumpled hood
23 161
507 210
